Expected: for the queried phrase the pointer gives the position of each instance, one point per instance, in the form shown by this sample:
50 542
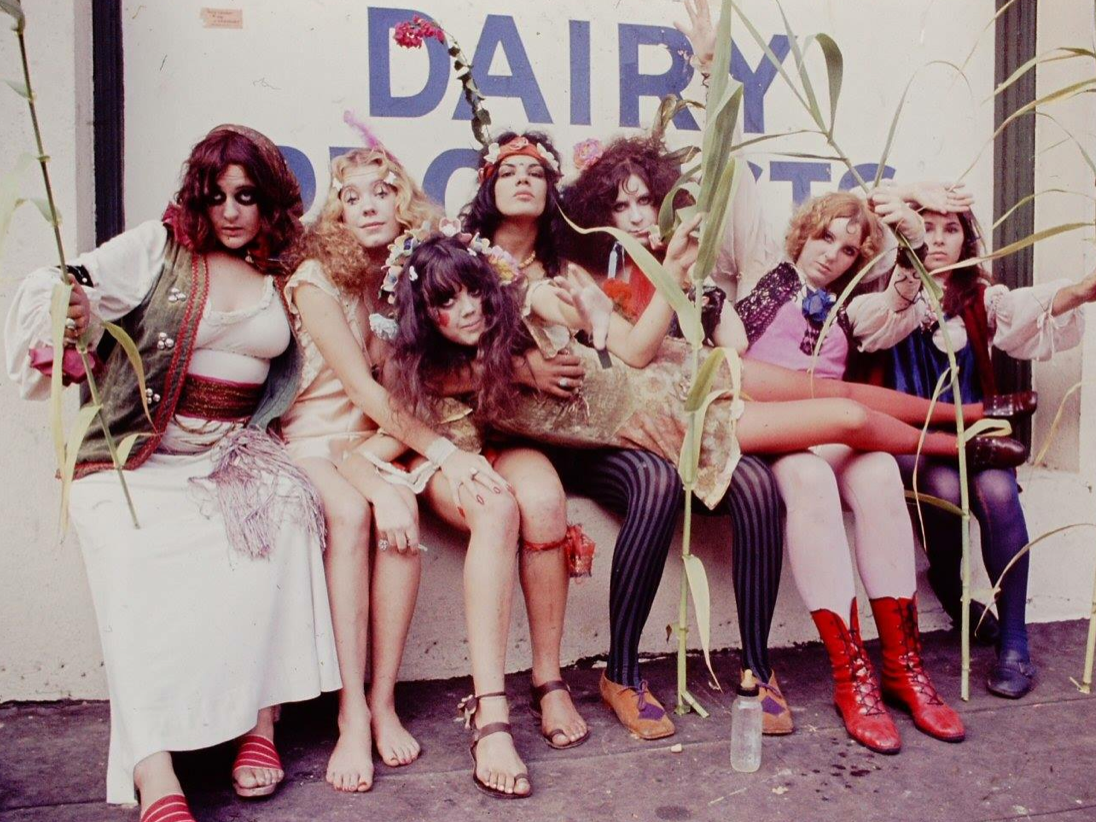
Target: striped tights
646 491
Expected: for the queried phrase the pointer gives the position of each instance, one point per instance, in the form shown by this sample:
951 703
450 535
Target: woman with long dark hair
516 207
979 316
215 610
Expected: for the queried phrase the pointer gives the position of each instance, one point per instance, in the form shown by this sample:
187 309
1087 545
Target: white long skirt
196 638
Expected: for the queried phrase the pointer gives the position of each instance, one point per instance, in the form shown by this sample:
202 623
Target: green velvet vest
164 327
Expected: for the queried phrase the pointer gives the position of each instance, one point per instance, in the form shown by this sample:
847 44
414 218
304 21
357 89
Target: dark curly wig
589 200
482 214
277 194
422 357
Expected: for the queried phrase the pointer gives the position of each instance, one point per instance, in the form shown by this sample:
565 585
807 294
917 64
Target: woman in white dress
215 609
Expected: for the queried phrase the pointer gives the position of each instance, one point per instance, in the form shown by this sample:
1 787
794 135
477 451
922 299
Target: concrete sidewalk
1026 759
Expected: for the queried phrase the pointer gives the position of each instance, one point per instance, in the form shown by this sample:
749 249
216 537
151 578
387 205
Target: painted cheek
443 317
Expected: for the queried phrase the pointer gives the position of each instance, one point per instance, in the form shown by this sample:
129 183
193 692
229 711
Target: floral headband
518 146
399 252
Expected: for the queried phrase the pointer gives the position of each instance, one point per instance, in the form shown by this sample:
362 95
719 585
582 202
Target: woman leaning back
517 207
206 624
333 430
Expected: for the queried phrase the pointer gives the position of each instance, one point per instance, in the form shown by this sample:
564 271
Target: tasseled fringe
259 490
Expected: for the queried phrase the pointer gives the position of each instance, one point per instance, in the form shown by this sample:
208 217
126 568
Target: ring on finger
70 323
564 382
383 544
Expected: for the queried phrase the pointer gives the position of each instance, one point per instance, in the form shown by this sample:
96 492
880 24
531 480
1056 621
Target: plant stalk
1090 646
55 221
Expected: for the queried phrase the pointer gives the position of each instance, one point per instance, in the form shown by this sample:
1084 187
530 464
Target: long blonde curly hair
327 239
812 218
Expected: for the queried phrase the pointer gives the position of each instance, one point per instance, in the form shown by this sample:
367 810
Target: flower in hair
492 155
391 179
548 157
412 274
450 228
383 327
506 267
587 152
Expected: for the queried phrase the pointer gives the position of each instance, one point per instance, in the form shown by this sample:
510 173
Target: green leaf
58 312
721 57
835 69
76 436
666 211
1011 248
804 76
19 87
917 498
1051 56
126 445
702 383
659 277
702 606
1022 202
717 142
15 9
773 59
712 228
1041 454
9 194
1024 551
134 356
49 214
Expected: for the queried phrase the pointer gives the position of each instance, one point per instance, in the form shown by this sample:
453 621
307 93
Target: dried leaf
19 87
15 9
130 347
77 432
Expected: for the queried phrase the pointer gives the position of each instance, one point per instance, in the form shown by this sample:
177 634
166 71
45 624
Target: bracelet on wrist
440 450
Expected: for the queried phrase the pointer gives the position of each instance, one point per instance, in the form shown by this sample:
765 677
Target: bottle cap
748 686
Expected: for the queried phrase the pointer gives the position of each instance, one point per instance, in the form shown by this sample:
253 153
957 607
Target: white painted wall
293 70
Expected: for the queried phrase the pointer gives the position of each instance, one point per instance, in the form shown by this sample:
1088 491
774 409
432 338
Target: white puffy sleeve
748 249
1022 324
882 319
122 271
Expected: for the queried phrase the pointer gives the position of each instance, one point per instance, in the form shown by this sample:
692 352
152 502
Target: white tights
814 485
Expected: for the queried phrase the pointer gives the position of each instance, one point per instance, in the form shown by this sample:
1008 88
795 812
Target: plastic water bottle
746 726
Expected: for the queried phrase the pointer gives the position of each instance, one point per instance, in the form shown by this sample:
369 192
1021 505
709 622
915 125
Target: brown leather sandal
467 708
536 696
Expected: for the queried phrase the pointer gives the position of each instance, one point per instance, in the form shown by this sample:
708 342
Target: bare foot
350 768
498 765
394 744
560 718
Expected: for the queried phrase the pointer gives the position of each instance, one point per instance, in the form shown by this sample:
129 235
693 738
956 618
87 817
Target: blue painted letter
800 175
382 103
634 85
499 30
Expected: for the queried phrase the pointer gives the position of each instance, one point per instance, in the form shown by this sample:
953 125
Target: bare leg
346 562
155 778
395 590
784 427
770 383
488 595
544 580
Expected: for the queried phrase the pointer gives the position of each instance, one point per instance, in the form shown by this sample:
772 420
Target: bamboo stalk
1090 645
55 221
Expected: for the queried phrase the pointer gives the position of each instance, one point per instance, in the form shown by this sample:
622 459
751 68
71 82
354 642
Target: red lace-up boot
904 679
855 688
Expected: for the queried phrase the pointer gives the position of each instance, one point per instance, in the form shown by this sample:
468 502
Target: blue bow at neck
817 304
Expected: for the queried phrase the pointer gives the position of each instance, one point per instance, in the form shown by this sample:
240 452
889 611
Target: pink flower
411 33
407 35
587 153
72 367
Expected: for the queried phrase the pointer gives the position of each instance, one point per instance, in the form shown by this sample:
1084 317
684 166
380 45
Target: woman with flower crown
334 431
214 611
516 206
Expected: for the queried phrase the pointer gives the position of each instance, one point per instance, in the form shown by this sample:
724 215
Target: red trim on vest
976 322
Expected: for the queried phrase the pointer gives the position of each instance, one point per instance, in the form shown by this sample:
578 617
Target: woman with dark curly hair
215 610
